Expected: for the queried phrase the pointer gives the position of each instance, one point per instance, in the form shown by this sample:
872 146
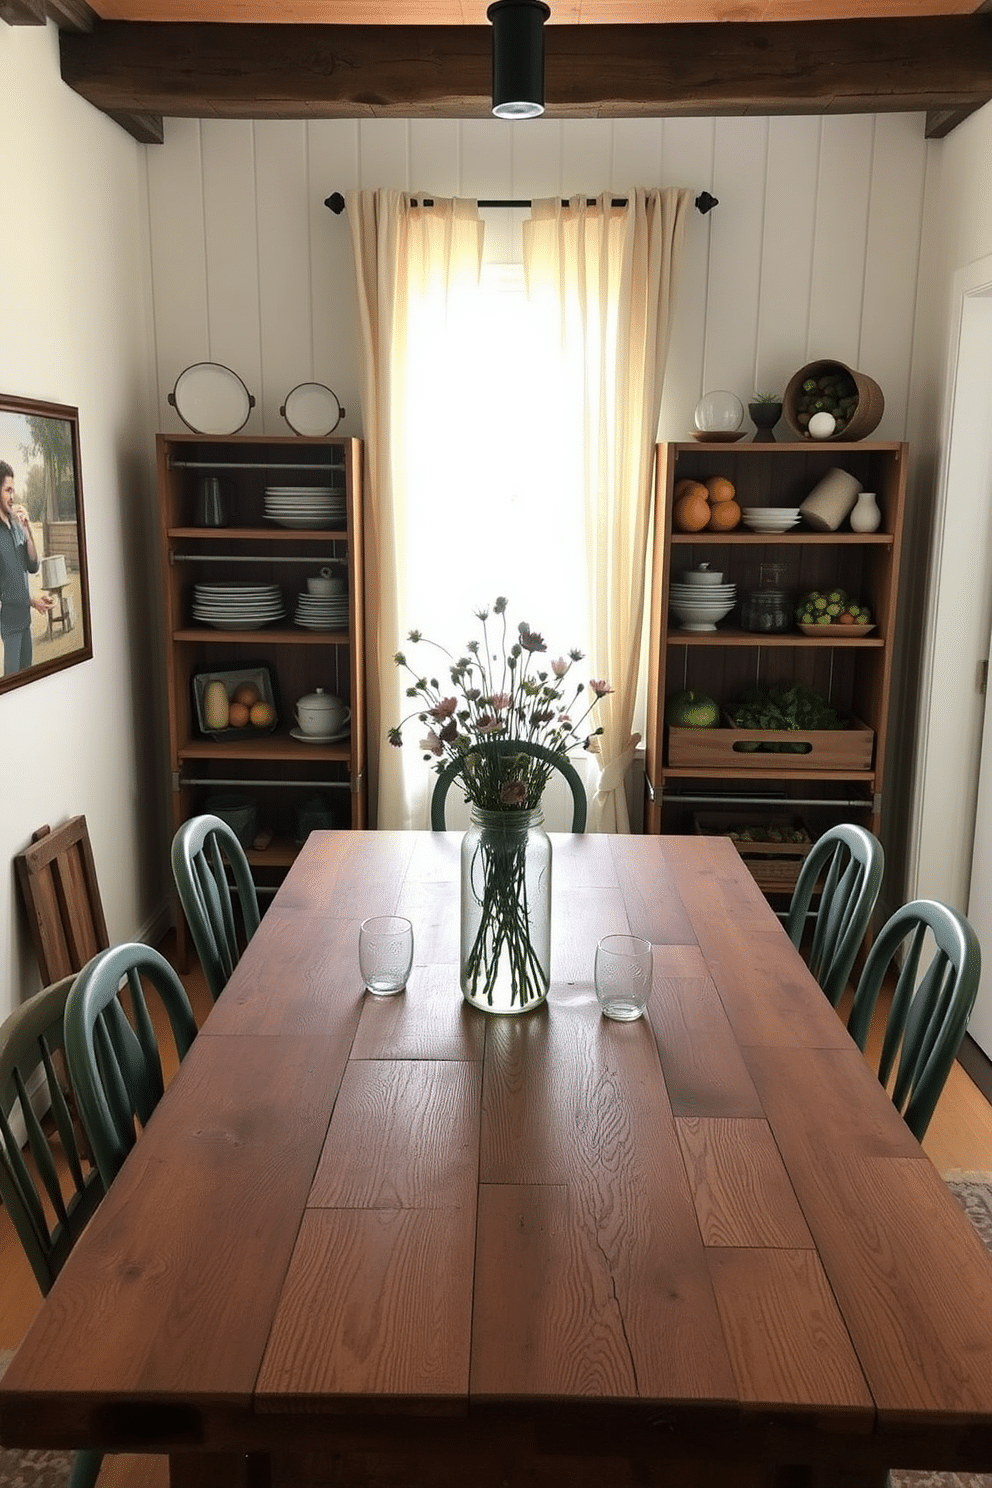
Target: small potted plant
765 410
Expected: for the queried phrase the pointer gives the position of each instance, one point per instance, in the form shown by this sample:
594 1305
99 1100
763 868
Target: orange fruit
719 488
247 693
683 487
845 619
262 714
237 715
724 516
692 511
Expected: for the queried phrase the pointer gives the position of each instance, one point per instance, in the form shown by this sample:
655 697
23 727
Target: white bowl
770 527
701 616
770 511
701 577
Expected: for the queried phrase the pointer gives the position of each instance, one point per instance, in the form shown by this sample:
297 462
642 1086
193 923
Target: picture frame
44 590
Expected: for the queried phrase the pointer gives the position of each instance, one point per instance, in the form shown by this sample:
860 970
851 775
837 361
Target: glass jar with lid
767 609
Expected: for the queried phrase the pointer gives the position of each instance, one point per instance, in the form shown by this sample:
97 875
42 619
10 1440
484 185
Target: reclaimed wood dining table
394 1240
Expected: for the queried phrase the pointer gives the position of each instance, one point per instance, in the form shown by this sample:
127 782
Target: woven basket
865 418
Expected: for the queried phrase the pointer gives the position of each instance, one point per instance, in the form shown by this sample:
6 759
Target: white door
970 459
980 897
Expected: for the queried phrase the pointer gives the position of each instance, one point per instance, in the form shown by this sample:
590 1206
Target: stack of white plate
322 611
305 506
770 518
700 606
237 606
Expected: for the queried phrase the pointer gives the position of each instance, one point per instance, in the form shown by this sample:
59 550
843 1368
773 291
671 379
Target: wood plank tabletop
548 1247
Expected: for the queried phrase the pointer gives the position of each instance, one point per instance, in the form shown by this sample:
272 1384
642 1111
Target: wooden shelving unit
281 773
854 674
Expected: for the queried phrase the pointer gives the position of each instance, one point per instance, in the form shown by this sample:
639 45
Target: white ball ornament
821 425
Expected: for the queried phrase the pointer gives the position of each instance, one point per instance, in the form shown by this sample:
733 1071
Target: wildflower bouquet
502 694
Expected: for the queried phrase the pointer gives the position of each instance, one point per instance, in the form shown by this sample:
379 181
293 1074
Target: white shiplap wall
812 252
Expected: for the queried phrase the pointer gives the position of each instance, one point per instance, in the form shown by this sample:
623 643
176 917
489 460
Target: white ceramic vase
866 516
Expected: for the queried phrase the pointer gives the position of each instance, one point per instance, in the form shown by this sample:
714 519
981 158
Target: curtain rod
704 202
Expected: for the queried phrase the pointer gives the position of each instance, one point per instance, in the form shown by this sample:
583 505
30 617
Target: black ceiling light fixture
518 57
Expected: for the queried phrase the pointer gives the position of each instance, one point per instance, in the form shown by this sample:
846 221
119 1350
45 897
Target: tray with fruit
833 614
236 704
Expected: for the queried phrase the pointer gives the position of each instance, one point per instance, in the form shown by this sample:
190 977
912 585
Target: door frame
959 607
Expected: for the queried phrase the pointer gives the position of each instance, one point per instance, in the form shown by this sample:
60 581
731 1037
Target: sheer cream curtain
613 272
403 255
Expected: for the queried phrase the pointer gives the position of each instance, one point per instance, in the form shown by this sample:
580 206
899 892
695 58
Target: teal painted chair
849 860
115 1063
48 1211
929 1013
207 859
455 768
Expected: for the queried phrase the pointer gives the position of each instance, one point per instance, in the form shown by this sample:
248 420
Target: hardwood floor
959 1138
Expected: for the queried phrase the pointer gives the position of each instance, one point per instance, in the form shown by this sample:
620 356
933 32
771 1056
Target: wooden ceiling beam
23 12
941 65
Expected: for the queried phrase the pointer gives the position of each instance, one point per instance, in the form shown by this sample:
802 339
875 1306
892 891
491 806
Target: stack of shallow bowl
701 599
770 518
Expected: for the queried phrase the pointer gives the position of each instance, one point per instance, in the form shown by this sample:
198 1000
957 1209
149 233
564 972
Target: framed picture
44 596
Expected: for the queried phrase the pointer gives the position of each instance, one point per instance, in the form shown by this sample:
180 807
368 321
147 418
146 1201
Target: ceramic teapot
320 713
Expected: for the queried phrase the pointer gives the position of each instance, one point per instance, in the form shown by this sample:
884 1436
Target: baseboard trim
977 1065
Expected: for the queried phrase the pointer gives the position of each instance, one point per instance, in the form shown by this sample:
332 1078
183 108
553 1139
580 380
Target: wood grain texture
404 1135
704 1068
307 71
406 1232
740 1187
879 1216
159 1294
786 1336
377 1304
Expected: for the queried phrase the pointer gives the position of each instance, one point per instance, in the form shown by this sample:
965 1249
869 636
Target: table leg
220 1470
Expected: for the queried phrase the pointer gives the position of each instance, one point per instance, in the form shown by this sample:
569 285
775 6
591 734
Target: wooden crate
829 749
774 866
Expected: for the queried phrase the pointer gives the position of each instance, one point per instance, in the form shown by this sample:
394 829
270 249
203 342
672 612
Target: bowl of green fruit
832 614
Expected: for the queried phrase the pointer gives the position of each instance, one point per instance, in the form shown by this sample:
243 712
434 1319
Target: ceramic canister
831 500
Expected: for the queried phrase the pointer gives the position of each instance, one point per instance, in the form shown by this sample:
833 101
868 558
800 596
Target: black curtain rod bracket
704 202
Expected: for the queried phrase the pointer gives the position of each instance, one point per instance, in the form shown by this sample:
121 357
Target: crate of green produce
777 730
773 848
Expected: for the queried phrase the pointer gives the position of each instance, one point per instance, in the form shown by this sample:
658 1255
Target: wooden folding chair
58 881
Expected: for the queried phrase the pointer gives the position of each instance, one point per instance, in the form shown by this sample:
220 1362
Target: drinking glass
624 966
385 953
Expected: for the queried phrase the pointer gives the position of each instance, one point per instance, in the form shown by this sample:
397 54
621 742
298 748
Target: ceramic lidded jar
320 713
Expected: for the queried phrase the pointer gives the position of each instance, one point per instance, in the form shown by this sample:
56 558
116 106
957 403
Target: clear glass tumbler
624 966
385 953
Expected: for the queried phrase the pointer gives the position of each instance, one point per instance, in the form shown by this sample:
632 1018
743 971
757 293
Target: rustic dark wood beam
935 64
23 12
71 15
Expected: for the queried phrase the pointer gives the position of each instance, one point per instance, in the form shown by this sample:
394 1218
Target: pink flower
560 667
432 744
514 793
444 709
600 688
487 724
499 700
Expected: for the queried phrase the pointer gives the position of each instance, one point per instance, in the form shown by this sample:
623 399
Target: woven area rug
972 1190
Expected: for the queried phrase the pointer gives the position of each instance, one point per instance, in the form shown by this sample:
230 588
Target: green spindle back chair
114 1062
206 855
929 1013
851 861
48 1186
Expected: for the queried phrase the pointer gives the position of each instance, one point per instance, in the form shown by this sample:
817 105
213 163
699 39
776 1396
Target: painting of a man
18 558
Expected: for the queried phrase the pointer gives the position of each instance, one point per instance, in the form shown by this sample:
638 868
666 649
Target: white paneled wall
813 251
